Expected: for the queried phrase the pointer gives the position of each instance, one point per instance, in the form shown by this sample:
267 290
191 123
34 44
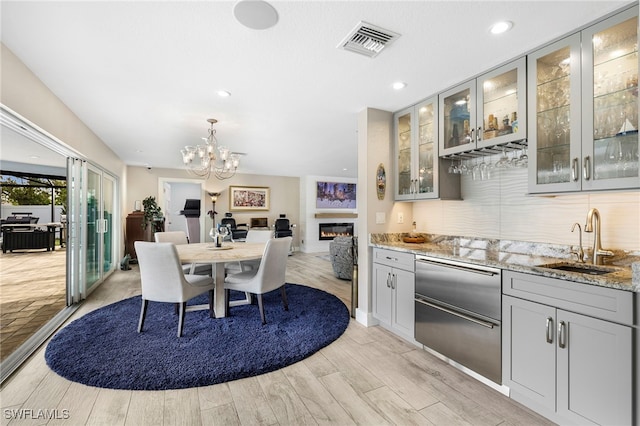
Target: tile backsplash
501 208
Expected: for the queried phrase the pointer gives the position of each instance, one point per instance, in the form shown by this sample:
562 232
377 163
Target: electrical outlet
400 217
380 218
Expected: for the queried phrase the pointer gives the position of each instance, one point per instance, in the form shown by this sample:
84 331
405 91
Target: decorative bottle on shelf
454 136
514 122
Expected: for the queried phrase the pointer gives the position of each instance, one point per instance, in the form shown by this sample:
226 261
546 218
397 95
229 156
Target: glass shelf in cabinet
553 111
502 97
555 80
622 46
626 94
550 76
551 148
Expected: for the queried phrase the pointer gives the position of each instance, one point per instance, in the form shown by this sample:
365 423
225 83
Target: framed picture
248 198
335 195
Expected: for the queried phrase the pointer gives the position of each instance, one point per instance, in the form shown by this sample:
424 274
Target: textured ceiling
143 75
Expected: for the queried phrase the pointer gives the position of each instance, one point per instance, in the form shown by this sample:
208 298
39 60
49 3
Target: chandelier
201 160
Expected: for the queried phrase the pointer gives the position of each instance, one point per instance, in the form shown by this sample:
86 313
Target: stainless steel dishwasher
458 313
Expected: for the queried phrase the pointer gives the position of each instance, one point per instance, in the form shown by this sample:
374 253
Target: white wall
500 208
43 213
308 227
24 93
285 194
374 148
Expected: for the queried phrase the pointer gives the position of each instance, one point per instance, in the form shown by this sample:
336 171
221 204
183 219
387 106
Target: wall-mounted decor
381 181
335 195
248 198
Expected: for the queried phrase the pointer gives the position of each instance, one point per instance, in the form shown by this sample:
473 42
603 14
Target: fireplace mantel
335 215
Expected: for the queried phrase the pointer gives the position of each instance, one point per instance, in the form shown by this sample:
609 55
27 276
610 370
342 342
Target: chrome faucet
580 252
593 223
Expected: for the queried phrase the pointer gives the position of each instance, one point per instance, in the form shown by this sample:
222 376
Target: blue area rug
104 349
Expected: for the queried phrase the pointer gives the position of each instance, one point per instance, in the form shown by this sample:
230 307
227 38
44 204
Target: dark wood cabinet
135 232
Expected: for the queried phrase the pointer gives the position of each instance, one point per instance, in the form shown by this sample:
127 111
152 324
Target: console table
29 237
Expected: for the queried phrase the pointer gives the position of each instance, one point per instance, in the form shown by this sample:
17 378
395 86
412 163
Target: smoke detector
367 39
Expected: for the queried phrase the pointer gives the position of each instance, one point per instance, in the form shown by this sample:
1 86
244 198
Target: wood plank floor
32 291
367 376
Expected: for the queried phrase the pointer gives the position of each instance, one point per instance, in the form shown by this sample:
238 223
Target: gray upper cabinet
583 109
486 111
417 166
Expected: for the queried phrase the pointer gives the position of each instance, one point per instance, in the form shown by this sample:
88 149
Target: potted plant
152 214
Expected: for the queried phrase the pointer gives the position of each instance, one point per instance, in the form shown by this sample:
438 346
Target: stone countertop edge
517 256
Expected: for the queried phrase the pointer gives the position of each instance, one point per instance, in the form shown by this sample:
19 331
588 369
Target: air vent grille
367 39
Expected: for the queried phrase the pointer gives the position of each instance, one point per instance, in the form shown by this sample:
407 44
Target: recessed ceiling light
399 85
255 14
34 157
501 27
223 93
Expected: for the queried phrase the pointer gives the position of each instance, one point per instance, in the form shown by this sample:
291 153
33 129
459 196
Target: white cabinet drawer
395 259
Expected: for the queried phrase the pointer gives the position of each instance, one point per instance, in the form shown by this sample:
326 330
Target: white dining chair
180 237
269 276
163 280
255 236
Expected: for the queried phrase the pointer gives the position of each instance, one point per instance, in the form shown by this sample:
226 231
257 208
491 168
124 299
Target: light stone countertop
518 256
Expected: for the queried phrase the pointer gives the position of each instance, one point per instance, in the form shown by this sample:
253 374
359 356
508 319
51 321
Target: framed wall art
335 195
249 198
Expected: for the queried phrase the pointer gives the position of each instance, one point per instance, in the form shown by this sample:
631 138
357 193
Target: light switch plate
380 218
400 217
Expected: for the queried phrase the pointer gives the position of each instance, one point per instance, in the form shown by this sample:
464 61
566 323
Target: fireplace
328 231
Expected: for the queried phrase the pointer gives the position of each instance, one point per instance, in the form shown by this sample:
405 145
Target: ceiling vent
367 39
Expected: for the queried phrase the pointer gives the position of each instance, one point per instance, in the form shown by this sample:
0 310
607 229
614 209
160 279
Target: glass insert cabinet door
485 112
555 116
610 156
416 156
458 118
427 167
502 105
404 169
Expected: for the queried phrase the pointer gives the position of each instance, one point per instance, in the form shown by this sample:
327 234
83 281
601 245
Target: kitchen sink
581 268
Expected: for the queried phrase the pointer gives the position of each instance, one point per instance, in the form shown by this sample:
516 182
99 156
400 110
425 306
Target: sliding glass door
86 250
100 203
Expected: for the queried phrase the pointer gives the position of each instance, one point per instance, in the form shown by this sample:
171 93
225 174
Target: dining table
218 258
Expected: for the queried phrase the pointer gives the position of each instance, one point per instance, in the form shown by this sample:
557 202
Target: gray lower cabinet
393 291
569 366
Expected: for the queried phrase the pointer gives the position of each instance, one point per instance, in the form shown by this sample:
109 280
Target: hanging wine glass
503 162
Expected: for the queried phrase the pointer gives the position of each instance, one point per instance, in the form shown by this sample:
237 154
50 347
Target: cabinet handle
549 330
479 133
586 167
472 135
562 338
389 280
413 186
393 281
574 170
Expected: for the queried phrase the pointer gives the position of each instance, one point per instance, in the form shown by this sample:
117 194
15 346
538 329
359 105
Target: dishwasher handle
459 266
458 314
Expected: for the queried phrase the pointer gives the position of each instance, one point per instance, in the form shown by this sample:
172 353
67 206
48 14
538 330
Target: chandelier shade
207 159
